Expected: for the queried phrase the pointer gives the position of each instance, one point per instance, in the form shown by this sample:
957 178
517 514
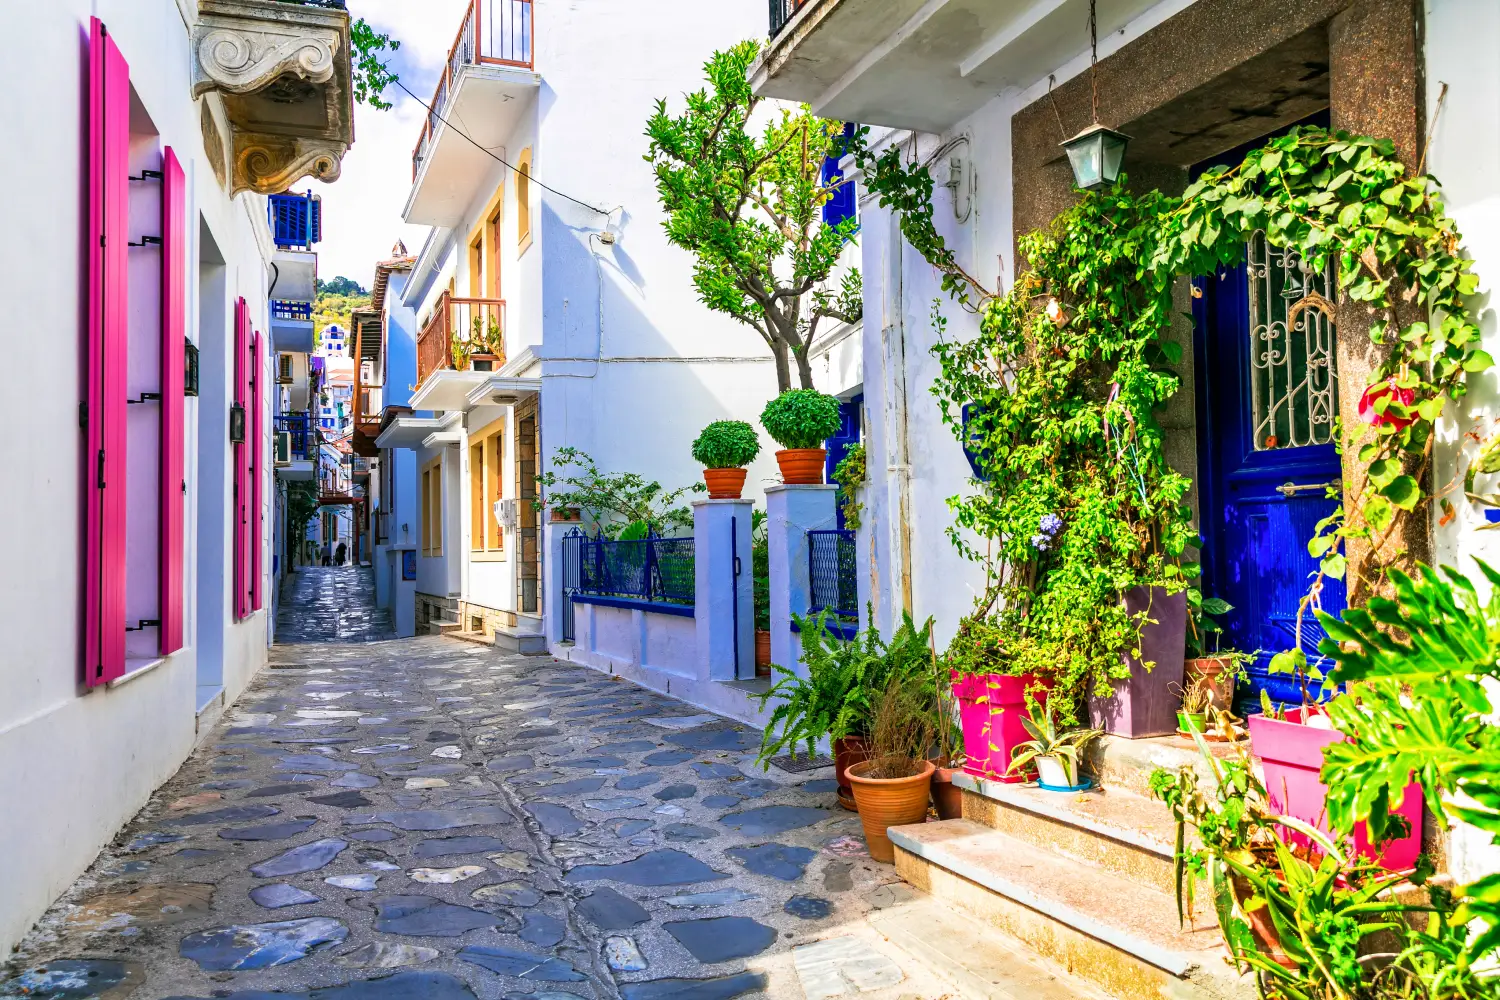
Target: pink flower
1386 390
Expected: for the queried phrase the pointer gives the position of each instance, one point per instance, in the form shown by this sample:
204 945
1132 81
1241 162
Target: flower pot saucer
1083 786
846 799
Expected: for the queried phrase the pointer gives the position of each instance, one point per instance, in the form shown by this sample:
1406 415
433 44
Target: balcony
917 64
484 88
276 77
369 380
296 220
463 335
296 444
291 317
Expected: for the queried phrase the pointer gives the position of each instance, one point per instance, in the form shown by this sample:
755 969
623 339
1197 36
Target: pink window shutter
241 505
255 434
106 352
173 484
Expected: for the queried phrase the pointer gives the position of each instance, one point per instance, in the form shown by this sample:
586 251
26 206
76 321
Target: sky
362 209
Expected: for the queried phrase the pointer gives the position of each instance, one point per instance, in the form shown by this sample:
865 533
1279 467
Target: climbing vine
1330 196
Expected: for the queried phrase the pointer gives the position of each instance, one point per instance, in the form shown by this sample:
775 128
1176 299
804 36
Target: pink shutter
255 432
173 485
104 459
241 466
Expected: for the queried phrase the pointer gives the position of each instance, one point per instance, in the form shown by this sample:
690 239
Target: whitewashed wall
84 762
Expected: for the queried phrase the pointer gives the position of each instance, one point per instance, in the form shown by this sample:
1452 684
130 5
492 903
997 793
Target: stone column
791 512
725 588
1376 90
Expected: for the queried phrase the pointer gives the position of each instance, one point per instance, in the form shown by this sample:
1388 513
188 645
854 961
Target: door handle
1290 490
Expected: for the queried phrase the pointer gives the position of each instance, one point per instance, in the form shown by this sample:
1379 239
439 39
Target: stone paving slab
539 862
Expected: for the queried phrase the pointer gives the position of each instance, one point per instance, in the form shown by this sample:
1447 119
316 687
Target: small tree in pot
800 420
725 447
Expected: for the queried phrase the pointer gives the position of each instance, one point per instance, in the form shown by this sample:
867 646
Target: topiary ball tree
801 418
726 444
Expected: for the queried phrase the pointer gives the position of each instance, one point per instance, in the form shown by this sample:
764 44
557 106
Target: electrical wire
529 176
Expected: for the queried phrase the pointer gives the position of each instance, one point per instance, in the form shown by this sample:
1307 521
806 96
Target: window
1293 370
284 368
486 475
432 508
476 266
492 244
523 201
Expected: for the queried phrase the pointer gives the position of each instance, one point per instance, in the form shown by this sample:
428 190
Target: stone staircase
509 640
1083 881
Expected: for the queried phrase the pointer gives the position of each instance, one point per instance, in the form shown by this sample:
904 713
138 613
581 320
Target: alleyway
430 818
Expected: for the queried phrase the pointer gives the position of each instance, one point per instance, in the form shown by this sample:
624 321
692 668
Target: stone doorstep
1111 828
1122 763
505 639
1115 932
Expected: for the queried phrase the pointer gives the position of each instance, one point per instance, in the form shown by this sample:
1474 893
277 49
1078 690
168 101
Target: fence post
724 604
793 511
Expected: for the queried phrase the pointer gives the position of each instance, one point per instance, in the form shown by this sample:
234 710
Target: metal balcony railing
459 330
300 428
782 11
493 32
659 570
285 309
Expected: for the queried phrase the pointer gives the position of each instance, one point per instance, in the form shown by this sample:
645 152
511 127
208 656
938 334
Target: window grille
1293 371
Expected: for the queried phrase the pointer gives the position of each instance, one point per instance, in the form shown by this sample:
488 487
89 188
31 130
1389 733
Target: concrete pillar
791 512
725 587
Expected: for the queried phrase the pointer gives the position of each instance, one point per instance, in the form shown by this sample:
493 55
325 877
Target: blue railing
654 570
298 426
296 220
287 310
831 571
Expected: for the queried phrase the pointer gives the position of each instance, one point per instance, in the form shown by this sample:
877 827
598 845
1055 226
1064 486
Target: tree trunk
783 370
804 368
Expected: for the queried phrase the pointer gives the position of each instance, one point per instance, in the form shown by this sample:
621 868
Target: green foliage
612 502
1077 503
760 568
851 474
1046 741
1203 628
726 444
845 680
801 418
340 286
1420 667
372 74
335 304
748 206
301 505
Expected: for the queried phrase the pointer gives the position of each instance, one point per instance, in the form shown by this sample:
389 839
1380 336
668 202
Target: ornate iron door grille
1293 367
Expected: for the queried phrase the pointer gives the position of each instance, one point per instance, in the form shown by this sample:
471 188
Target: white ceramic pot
1052 772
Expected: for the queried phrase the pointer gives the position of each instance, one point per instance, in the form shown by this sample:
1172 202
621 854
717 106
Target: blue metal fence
298 426
648 569
831 570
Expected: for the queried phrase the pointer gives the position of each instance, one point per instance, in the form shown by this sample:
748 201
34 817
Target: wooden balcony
494 33
463 335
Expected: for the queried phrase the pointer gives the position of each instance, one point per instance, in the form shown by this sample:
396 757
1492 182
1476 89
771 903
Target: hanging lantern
1096 154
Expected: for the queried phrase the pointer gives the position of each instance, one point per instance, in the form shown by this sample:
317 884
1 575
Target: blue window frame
844 204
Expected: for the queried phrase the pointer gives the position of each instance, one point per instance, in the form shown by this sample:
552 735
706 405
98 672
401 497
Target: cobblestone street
431 818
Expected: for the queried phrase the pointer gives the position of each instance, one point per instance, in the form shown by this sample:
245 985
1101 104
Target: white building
333 342
603 344
136 607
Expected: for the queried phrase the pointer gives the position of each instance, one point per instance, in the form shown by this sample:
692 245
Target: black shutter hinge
146 397
83 415
148 241
144 624
101 468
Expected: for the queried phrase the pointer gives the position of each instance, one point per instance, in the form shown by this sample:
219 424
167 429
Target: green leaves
371 74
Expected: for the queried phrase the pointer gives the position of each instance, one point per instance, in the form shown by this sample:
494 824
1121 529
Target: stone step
980 963
518 640
1116 933
1110 828
439 627
1127 764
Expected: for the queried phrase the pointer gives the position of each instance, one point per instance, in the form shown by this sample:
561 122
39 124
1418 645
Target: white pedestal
793 511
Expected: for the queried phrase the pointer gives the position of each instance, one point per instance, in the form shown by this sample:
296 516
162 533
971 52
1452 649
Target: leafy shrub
726 444
850 474
801 418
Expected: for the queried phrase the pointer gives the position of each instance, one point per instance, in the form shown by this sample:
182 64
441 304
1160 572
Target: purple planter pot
1146 703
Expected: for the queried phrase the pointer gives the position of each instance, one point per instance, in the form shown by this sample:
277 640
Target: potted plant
947 798
995 690
892 787
486 345
800 420
833 702
724 448
1192 713
1054 754
1208 666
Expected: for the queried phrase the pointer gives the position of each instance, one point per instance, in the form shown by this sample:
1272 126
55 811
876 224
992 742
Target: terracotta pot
762 652
887 802
1262 927
947 798
802 466
846 753
724 484
1146 703
1213 674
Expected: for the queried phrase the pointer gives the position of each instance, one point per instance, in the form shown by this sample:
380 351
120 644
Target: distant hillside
337 299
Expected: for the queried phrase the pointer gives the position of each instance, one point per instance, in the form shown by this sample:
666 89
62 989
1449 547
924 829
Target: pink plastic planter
990 710
1291 755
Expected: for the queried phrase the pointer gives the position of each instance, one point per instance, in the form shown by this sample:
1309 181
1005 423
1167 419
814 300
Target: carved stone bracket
281 72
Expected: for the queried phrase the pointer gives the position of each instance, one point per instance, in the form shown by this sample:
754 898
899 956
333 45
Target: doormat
796 765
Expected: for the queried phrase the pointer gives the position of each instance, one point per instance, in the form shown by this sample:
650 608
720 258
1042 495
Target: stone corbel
247 46
269 164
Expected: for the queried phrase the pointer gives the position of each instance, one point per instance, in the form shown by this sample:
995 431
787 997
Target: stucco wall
79 764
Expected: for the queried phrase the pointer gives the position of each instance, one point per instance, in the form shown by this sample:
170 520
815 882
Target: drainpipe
898 462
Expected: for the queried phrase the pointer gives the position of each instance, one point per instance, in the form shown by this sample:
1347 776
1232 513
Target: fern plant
845 680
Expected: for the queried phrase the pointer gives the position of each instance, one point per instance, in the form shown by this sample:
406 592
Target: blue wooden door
1267 400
